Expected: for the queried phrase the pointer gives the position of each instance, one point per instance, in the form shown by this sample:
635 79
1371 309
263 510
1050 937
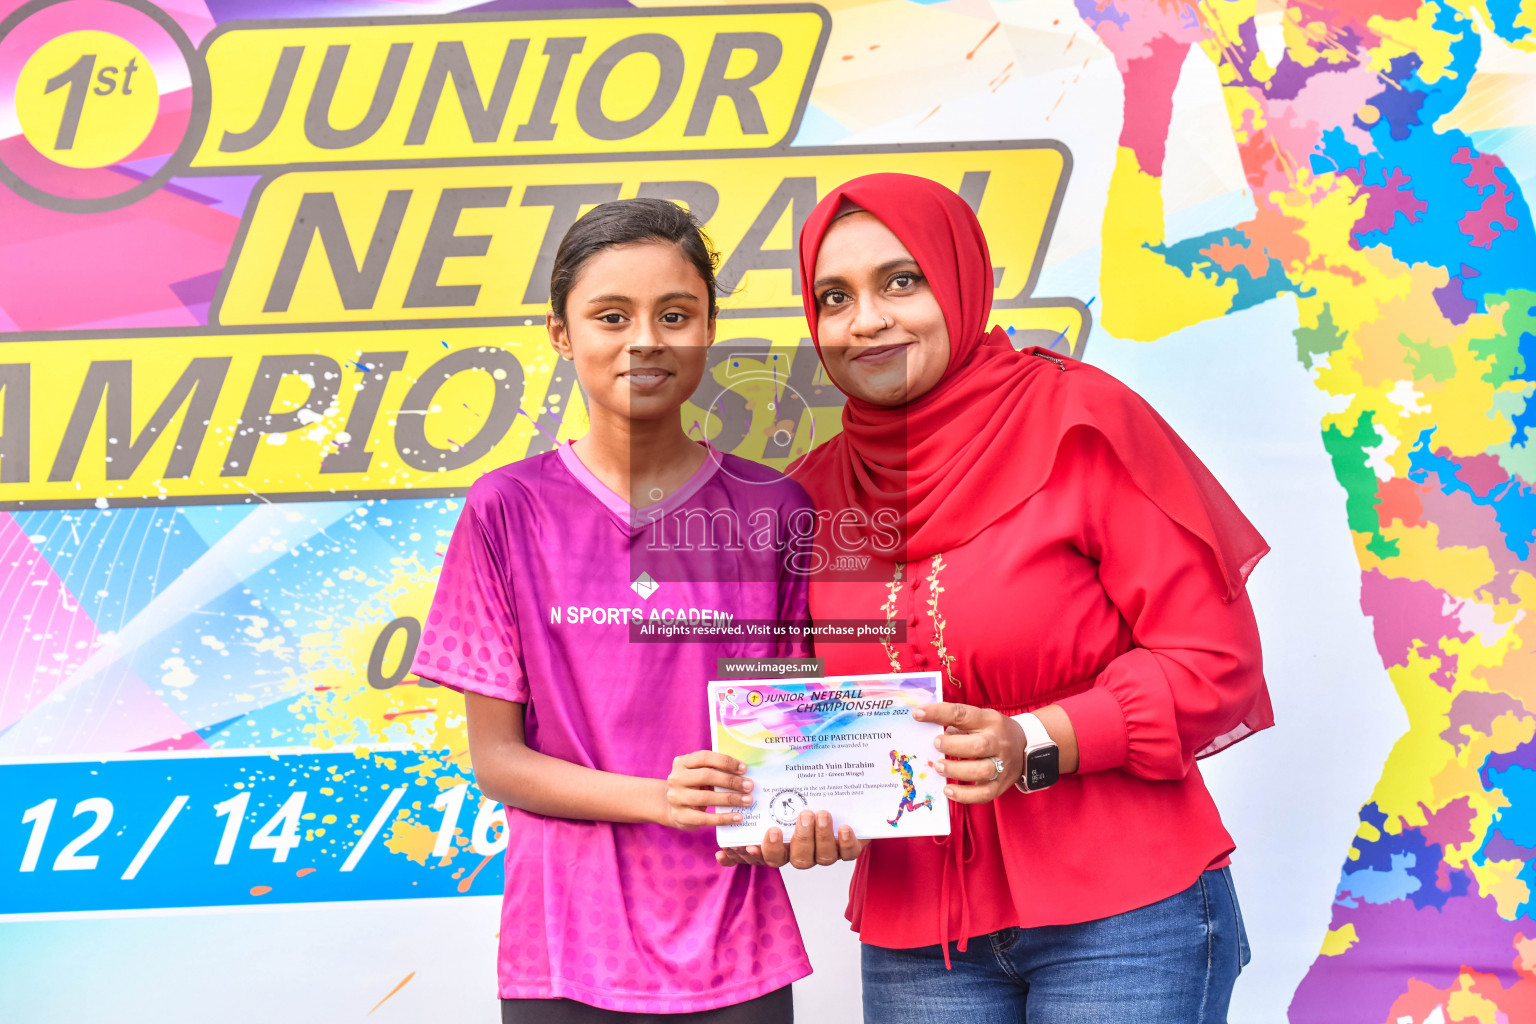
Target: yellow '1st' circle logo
87 99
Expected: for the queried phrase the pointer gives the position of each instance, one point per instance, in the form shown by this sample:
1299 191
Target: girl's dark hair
627 222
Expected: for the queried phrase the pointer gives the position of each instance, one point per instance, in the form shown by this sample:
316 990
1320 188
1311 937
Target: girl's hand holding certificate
704 779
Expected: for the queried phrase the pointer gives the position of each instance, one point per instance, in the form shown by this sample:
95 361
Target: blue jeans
1172 962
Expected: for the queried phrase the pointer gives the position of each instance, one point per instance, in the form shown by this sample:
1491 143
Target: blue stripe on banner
201 830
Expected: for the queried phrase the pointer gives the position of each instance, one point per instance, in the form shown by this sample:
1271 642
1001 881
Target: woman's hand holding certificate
813 842
980 746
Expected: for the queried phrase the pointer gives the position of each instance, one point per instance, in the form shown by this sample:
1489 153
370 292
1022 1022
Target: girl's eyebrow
624 299
884 268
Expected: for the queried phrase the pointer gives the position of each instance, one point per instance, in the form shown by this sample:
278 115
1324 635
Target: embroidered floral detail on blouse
935 588
892 590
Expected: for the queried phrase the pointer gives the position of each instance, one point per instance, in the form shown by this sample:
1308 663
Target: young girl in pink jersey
595 739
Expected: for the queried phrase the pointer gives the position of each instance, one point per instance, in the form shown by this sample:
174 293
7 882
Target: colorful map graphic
1411 256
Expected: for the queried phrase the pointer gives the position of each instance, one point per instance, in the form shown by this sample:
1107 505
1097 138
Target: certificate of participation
844 744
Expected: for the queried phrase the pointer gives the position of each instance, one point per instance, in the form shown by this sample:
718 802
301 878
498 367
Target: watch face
1041 768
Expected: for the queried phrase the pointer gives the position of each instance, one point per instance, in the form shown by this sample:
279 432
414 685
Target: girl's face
883 337
637 325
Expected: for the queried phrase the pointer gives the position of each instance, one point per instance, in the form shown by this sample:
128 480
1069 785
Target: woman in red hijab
1077 575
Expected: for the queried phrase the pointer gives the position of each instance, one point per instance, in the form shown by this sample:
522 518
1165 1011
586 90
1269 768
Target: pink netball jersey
545 575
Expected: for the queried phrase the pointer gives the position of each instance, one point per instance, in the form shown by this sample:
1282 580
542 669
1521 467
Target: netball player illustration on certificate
596 740
901 764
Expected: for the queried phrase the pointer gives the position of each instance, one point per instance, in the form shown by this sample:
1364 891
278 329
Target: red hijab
985 438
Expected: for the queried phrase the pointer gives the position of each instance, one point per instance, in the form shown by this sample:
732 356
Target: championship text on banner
464 379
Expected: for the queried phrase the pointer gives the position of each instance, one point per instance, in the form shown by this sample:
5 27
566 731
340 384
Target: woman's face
637 326
882 333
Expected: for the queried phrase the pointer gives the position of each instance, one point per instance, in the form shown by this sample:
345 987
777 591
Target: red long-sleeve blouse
1088 596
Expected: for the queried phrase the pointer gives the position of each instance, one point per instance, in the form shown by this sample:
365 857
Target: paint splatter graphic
1411 256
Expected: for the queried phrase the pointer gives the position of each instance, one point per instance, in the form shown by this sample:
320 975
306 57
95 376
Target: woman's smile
879 355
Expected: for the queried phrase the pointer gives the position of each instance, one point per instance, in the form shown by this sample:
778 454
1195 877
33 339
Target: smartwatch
1042 760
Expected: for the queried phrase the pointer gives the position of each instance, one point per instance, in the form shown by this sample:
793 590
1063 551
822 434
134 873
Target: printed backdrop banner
272 286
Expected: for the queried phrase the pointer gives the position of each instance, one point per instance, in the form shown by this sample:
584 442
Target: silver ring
999 773
884 324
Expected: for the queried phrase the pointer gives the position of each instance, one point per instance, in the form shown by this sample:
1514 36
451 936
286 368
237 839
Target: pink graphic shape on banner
120 265
44 632
45 635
